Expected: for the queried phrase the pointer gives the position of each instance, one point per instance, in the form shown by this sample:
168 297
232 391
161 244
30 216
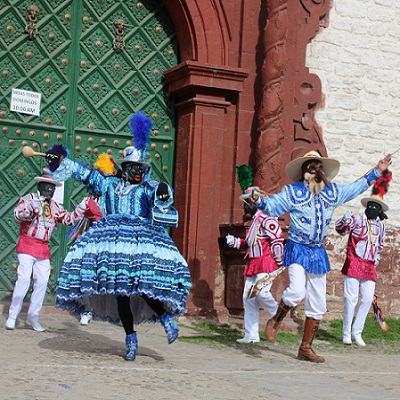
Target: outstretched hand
347 217
253 197
384 164
162 192
53 159
232 241
52 155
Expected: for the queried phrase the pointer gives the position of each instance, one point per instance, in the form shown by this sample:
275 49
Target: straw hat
379 191
377 199
140 126
132 154
249 191
47 176
331 166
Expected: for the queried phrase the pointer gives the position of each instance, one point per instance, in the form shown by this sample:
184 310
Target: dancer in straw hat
366 239
38 215
310 201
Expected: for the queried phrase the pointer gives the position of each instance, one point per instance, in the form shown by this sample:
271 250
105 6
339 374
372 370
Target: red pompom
381 186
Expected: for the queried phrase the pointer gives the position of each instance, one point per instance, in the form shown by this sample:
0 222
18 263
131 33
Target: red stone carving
291 95
271 131
215 106
307 94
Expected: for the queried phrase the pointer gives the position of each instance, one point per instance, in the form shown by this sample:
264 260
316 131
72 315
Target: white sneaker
10 323
346 340
36 326
247 340
85 318
359 340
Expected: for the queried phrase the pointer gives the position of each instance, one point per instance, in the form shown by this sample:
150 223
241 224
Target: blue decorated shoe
131 347
170 326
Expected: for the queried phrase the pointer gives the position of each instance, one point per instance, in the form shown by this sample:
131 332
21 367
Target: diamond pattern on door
89 90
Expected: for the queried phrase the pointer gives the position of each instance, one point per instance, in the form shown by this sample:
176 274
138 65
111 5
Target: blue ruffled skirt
121 255
313 259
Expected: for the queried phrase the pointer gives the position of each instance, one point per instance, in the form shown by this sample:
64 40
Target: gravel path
70 361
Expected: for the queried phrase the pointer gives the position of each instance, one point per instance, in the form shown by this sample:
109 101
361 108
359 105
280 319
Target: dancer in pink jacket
38 215
264 245
366 239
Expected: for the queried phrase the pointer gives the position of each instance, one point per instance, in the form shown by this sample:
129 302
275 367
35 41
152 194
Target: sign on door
25 102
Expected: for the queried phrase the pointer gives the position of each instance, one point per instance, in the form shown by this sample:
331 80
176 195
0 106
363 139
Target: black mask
250 209
47 189
311 167
133 172
315 168
373 210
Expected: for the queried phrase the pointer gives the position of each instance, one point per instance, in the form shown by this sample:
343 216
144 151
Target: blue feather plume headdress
140 126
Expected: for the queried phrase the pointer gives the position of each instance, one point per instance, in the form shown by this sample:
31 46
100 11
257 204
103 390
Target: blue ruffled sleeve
91 178
275 205
352 190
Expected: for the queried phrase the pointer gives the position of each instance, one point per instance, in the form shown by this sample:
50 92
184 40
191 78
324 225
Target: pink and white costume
365 243
264 244
37 218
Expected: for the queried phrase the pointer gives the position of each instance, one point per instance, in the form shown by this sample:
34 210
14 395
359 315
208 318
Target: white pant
41 272
310 287
263 299
353 286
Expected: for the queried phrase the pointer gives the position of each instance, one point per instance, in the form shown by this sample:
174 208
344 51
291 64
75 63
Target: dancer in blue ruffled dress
126 254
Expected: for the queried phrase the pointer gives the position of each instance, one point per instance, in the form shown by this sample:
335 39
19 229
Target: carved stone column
207 106
269 152
290 94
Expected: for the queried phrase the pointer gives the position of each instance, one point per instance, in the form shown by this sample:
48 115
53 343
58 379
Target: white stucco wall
357 58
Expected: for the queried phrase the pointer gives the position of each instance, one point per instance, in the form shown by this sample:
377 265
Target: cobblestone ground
70 361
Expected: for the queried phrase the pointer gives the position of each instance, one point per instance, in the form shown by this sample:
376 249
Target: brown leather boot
305 351
273 324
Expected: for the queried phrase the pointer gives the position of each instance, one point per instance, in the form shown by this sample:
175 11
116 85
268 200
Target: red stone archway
202 29
217 98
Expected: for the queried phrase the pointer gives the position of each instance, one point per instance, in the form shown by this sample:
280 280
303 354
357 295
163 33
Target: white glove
36 206
347 217
231 241
84 204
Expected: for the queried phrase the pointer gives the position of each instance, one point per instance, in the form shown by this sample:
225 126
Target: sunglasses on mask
313 169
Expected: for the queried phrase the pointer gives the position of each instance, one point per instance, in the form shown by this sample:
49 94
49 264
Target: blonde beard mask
313 186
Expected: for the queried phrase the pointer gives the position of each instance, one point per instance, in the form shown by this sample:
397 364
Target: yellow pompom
105 164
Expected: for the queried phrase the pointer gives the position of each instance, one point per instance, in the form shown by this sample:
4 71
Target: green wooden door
94 63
